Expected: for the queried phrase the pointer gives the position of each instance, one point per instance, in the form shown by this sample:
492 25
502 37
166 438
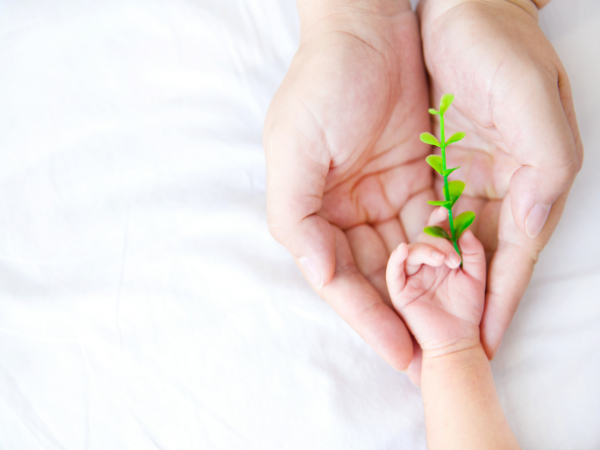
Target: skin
442 304
346 174
513 99
346 177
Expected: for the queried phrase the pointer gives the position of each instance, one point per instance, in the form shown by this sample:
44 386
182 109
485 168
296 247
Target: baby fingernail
437 255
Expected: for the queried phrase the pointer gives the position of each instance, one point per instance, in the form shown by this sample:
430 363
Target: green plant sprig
452 189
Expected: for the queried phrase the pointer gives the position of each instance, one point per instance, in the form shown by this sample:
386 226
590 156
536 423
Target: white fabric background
143 303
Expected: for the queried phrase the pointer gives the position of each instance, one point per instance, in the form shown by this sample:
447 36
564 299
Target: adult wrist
312 12
442 6
531 6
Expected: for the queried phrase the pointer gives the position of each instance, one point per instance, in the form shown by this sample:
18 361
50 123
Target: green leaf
445 102
436 232
455 138
435 162
433 112
462 222
455 189
449 171
430 139
444 203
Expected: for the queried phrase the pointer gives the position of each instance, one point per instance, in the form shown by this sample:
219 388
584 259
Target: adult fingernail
437 255
312 271
454 259
536 219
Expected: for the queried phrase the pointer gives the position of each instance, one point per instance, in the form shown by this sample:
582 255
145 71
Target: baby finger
452 259
419 254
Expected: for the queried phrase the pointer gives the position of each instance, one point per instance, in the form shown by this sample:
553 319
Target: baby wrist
469 360
459 357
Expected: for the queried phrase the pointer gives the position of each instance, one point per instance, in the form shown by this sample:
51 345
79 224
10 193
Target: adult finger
297 166
358 303
437 216
370 256
509 272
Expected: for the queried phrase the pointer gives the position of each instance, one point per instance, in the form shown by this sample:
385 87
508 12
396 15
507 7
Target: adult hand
522 150
346 177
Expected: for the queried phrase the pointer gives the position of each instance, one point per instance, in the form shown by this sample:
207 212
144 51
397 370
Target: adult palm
522 150
346 177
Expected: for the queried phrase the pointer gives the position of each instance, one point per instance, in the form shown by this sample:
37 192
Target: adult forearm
462 409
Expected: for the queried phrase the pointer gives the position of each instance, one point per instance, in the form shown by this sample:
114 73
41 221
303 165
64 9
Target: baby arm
442 305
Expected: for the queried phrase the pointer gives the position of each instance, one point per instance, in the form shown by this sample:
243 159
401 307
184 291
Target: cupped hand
522 150
441 302
346 176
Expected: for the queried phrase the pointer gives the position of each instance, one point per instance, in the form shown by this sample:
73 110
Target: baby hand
441 303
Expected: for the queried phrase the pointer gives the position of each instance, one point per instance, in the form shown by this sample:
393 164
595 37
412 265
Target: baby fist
440 302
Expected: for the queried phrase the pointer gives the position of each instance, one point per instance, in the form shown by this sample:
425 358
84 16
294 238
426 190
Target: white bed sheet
143 303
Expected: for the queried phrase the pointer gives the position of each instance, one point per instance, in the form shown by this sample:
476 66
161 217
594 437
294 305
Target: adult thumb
537 122
297 167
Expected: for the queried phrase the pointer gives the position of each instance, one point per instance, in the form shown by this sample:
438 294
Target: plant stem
454 242
446 189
